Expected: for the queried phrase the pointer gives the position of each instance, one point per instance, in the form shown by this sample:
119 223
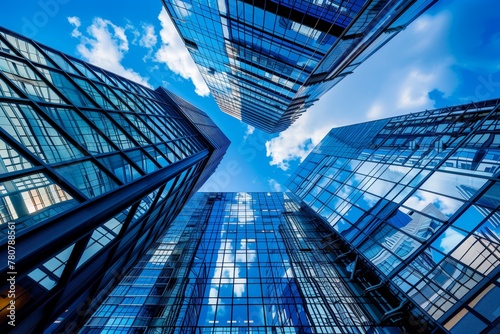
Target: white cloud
149 38
105 46
394 81
174 54
450 239
75 21
248 132
182 8
275 185
297 141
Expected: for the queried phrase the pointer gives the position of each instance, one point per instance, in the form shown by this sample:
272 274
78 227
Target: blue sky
450 55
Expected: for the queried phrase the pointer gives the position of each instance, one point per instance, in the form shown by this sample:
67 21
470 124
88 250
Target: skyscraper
93 169
267 61
247 263
416 198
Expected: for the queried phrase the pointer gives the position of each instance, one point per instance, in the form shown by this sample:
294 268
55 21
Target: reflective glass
30 200
79 129
29 82
26 126
88 178
68 89
120 167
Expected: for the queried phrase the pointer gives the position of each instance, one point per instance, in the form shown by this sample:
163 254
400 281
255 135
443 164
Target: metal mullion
190 125
112 251
119 113
134 103
70 162
91 82
58 228
68 271
12 99
48 169
145 123
433 237
105 137
70 79
68 137
123 131
39 110
4 177
29 64
172 125
71 140
113 88
145 227
46 272
18 56
151 119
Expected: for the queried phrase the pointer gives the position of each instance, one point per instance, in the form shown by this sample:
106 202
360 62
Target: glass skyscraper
244 263
416 198
93 169
267 61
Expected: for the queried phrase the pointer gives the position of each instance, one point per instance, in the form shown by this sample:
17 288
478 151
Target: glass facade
241 263
267 61
417 199
93 168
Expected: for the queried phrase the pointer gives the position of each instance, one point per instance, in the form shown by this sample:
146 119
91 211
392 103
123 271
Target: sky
448 56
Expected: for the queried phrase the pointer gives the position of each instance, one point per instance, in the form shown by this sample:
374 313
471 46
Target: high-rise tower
93 169
267 61
416 198
247 263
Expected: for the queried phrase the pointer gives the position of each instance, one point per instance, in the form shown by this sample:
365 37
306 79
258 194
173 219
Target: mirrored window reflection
471 217
26 80
88 178
438 291
109 129
4 48
49 273
5 90
86 72
490 228
59 60
142 160
463 322
79 129
112 97
31 199
27 49
11 160
26 126
491 198
478 253
453 185
436 205
144 205
120 167
129 129
475 161
486 301
68 89
96 95
103 235
143 128
419 225
491 160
